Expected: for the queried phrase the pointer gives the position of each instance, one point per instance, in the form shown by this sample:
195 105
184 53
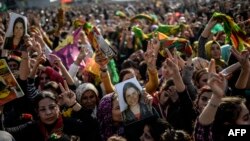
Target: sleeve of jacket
105 78
153 81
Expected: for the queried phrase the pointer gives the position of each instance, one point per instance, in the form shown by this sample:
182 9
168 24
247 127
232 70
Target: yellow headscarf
208 46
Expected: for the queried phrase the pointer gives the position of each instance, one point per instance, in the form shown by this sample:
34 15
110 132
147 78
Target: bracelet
25 58
73 105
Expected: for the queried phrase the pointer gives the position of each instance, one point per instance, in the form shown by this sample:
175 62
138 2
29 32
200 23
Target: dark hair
53 87
129 64
42 95
124 72
127 86
198 74
227 114
157 127
175 135
166 84
19 20
202 90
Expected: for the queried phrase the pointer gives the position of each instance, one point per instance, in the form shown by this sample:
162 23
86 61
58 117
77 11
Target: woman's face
89 99
203 80
44 78
244 117
116 113
18 30
215 51
48 111
164 97
132 96
13 65
203 100
146 136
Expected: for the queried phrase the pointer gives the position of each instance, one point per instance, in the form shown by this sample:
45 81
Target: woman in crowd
154 128
204 94
223 111
52 125
210 49
110 117
200 78
88 96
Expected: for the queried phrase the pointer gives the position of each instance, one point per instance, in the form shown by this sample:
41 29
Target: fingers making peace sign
67 96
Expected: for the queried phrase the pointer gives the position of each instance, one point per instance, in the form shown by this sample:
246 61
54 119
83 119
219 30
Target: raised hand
38 36
67 96
243 58
150 55
33 45
101 59
55 60
40 59
170 66
217 82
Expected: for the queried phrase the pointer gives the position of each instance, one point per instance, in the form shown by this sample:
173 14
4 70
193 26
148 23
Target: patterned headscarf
83 88
104 116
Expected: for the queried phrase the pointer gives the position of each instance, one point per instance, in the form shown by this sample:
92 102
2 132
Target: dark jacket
86 128
129 117
8 44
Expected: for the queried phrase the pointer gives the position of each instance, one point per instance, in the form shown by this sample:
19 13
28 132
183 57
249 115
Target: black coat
86 128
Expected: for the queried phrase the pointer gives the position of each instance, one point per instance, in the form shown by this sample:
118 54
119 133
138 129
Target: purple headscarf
104 116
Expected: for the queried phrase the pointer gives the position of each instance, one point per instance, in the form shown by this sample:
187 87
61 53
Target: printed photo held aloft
131 101
9 88
17 29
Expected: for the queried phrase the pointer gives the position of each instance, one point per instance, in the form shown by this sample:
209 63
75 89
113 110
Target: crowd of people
187 97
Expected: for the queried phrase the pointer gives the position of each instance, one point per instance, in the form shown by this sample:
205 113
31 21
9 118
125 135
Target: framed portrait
17 29
131 101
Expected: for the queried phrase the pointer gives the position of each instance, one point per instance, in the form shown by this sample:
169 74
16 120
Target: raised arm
187 74
171 65
74 67
150 57
218 84
65 73
104 74
245 68
203 38
24 68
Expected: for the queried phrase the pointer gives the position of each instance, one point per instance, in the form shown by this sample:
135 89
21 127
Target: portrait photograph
131 101
17 29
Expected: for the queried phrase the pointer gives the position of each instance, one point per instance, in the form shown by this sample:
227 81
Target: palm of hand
218 84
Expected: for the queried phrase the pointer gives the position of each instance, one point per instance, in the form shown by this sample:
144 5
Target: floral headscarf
104 116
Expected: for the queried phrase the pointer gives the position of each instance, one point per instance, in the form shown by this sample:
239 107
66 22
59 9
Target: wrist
25 57
215 99
104 69
72 105
245 69
214 105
